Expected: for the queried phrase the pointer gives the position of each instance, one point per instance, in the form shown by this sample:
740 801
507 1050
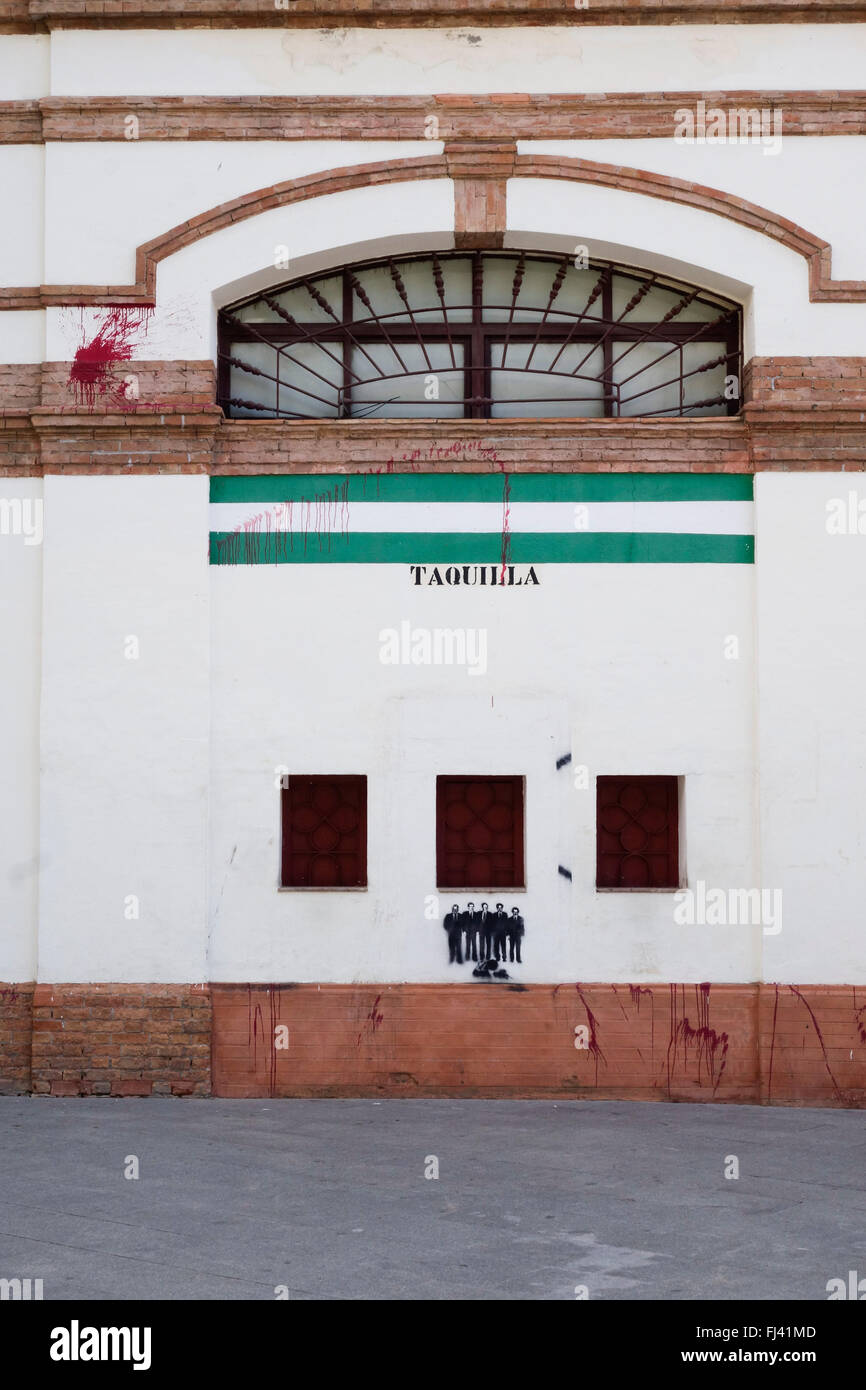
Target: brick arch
816 252
481 173
150 253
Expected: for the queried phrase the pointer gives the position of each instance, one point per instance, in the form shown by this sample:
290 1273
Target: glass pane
705 386
419 286
257 392
652 389
300 390
539 277
657 302
641 371
546 385
299 303
415 389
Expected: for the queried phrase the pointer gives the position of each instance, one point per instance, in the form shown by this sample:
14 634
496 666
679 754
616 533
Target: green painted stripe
486 487
392 548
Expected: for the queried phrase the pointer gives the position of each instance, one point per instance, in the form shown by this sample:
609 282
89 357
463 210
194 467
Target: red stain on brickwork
818 1034
92 374
704 1039
372 1021
637 992
773 1043
594 1048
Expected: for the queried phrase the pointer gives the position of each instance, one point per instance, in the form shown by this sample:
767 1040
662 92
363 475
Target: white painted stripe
720 518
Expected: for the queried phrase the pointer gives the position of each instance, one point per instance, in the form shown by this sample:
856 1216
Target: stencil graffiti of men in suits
516 928
470 931
485 929
453 925
500 930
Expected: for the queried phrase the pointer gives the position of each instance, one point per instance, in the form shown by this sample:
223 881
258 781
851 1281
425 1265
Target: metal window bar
350 332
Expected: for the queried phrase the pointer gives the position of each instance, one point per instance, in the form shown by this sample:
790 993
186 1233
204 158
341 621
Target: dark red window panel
479 832
324 832
637 832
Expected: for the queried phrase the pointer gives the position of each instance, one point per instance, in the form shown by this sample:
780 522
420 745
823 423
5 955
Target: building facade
433 550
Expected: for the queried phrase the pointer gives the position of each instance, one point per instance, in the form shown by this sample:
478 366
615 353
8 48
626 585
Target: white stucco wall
20 641
152 768
156 778
621 665
143 189
619 58
124 743
811 614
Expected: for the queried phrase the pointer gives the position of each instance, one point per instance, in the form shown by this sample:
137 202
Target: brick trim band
816 252
28 16
515 116
784 434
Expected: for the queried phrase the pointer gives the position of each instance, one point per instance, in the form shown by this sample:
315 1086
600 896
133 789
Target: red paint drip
92 372
594 1048
372 1020
704 1038
819 1035
317 516
275 1002
636 992
506 525
773 1045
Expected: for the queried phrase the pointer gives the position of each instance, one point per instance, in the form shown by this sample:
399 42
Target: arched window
490 334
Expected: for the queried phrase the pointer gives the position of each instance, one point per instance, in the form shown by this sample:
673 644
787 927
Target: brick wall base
761 1044
16 1023
750 1044
121 1040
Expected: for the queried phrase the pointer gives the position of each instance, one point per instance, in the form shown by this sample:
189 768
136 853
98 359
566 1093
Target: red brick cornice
27 16
501 116
800 437
816 251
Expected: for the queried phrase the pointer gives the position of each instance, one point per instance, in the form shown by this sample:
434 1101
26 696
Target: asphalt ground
329 1199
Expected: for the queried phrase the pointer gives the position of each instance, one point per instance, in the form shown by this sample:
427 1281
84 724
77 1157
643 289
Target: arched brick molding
472 167
816 252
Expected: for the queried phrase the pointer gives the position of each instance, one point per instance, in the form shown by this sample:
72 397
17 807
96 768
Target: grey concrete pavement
329 1197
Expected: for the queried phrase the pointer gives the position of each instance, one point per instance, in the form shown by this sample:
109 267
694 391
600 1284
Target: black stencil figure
500 931
490 970
516 928
485 930
453 925
470 931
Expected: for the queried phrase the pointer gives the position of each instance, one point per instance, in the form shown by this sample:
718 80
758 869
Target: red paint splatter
256 1030
773 1045
275 1003
704 1038
594 1048
819 1035
318 516
92 372
372 1020
506 525
637 992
